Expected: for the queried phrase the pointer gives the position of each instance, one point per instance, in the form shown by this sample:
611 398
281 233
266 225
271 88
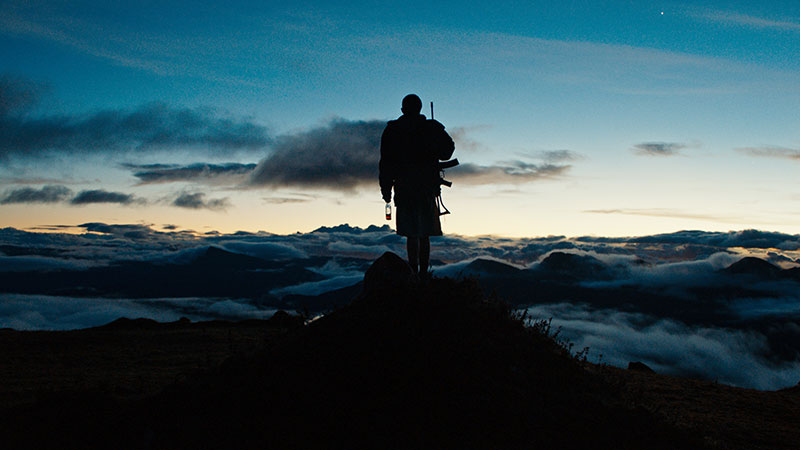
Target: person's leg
412 246
424 254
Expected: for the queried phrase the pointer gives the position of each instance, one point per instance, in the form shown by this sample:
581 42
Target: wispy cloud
47 194
120 45
771 152
285 200
557 156
325 45
464 142
659 148
672 213
154 52
745 20
231 173
512 172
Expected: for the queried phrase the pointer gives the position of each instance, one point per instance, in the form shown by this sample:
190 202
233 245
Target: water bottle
388 211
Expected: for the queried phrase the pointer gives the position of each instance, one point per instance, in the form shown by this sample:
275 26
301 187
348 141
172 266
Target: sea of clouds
675 263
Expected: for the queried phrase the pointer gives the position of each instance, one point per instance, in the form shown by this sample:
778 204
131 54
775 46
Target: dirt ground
726 417
127 361
132 361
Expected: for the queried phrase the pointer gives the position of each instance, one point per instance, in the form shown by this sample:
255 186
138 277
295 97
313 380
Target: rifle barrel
448 164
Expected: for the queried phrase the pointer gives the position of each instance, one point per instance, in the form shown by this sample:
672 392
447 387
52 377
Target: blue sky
605 118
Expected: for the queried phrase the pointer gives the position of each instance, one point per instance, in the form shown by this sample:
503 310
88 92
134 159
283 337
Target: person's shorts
419 219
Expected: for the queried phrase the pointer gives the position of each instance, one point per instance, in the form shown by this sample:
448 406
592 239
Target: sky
615 118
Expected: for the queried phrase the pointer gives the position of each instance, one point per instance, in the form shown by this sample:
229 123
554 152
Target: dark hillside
407 366
404 366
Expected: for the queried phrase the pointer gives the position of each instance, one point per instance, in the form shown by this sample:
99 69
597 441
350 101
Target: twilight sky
586 118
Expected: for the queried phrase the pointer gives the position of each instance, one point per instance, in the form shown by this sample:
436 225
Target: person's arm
386 166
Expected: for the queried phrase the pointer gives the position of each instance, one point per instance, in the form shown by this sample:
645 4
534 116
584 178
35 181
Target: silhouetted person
411 148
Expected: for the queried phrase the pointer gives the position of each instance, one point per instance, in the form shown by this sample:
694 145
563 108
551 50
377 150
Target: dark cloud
744 238
197 200
47 194
772 152
659 148
150 127
102 196
17 95
340 156
506 172
345 154
128 231
199 172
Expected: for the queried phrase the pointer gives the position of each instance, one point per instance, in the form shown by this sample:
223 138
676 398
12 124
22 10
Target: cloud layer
747 336
32 312
732 357
148 128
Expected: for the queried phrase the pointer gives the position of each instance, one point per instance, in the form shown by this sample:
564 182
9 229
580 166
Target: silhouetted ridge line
217 257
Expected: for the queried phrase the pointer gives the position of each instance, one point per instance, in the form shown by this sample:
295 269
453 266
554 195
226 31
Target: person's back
411 148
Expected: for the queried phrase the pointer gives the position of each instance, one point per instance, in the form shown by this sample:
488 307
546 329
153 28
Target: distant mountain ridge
346 228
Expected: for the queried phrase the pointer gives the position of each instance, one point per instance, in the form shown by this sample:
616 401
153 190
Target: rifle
446 165
442 182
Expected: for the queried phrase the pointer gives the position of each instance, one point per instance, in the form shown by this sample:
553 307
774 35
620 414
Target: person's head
412 105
